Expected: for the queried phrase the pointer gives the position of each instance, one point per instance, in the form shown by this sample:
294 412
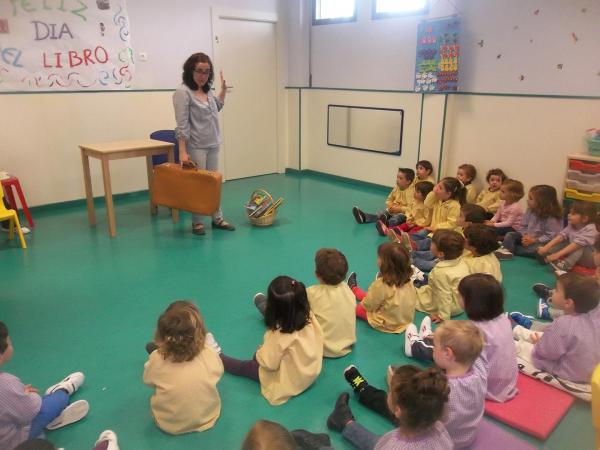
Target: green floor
77 300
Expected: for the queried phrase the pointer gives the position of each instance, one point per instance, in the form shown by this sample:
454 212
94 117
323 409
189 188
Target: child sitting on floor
569 348
397 204
509 214
333 303
24 414
439 297
415 401
291 356
418 216
481 296
457 345
470 213
265 435
424 171
481 242
184 371
444 202
573 245
541 222
489 198
466 174
389 304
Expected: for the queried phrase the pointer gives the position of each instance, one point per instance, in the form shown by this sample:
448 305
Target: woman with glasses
197 115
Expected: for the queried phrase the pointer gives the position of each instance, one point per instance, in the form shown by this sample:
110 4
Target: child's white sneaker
210 340
411 335
70 384
111 437
418 274
71 414
425 328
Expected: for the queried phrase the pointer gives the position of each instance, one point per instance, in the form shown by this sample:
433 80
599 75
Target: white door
245 50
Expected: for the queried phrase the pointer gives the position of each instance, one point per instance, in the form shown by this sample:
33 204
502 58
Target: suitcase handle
189 165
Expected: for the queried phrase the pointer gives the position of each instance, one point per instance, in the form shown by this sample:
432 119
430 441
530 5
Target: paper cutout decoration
575 38
438 48
559 66
65 46
521 77
480 43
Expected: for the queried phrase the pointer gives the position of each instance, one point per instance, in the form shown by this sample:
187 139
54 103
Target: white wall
380 54
171 31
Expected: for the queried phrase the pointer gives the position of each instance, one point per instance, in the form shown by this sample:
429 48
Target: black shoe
223 225
379 226
542 291
384 217
150 347
355 379
359 216
305 440
352 280
341 415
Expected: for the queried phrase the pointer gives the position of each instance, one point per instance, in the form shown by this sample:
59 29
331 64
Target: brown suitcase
194 190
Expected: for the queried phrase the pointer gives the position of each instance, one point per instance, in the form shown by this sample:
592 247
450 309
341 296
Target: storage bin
578 195
584 166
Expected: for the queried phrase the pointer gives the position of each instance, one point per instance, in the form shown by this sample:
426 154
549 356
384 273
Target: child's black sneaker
542 291
359 216
352 280
305 439
355 379
341 415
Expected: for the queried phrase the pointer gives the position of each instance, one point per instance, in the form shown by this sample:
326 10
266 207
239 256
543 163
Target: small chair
166 136
11 214
8 184
596 403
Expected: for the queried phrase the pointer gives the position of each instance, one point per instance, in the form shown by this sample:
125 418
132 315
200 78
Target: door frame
217 14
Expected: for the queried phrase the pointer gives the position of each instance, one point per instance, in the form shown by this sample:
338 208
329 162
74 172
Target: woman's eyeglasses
202 71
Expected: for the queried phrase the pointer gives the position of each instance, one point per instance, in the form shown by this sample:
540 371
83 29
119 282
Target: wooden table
106 151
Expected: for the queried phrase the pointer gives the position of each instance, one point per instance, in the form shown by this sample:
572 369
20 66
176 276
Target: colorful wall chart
64 45
438 47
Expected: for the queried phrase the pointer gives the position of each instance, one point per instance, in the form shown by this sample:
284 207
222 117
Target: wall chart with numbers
438 48
64 45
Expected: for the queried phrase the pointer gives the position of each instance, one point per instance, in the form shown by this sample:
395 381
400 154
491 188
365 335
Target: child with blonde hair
333 303
574 244
489 198
267 435
480 242
456 348
509 214
540 224
184 371
291 356
466 174
389 304
439 297
415 402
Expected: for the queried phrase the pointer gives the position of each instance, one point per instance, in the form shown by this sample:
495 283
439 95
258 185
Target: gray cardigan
197 122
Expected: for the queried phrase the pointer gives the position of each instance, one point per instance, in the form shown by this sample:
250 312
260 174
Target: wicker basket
266 219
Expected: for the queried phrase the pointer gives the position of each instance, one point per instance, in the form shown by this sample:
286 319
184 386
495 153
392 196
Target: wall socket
143 56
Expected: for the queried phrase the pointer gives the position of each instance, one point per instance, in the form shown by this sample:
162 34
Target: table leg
110 210
171 158
150 170
89 196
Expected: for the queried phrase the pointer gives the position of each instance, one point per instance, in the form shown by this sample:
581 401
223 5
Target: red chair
13 182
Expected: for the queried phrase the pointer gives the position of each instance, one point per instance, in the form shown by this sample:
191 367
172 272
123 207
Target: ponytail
456 189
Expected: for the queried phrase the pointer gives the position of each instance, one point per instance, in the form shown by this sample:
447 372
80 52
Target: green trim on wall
492 94
300 129
98 201
442 138
420 129
119 91
317 174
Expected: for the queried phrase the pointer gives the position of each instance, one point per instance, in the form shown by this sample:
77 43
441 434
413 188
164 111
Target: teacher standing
198 134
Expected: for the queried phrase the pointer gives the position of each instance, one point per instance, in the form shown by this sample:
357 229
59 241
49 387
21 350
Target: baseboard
317 174
98 201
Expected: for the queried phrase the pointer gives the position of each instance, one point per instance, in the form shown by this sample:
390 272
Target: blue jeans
360 437
513 243
207 159
52 406
421 240
395 220
424 260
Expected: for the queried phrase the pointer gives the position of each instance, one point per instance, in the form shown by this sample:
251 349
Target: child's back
186 397
334 308
436 438
390 308
440 295
18 410
481 241
290 362
484 264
